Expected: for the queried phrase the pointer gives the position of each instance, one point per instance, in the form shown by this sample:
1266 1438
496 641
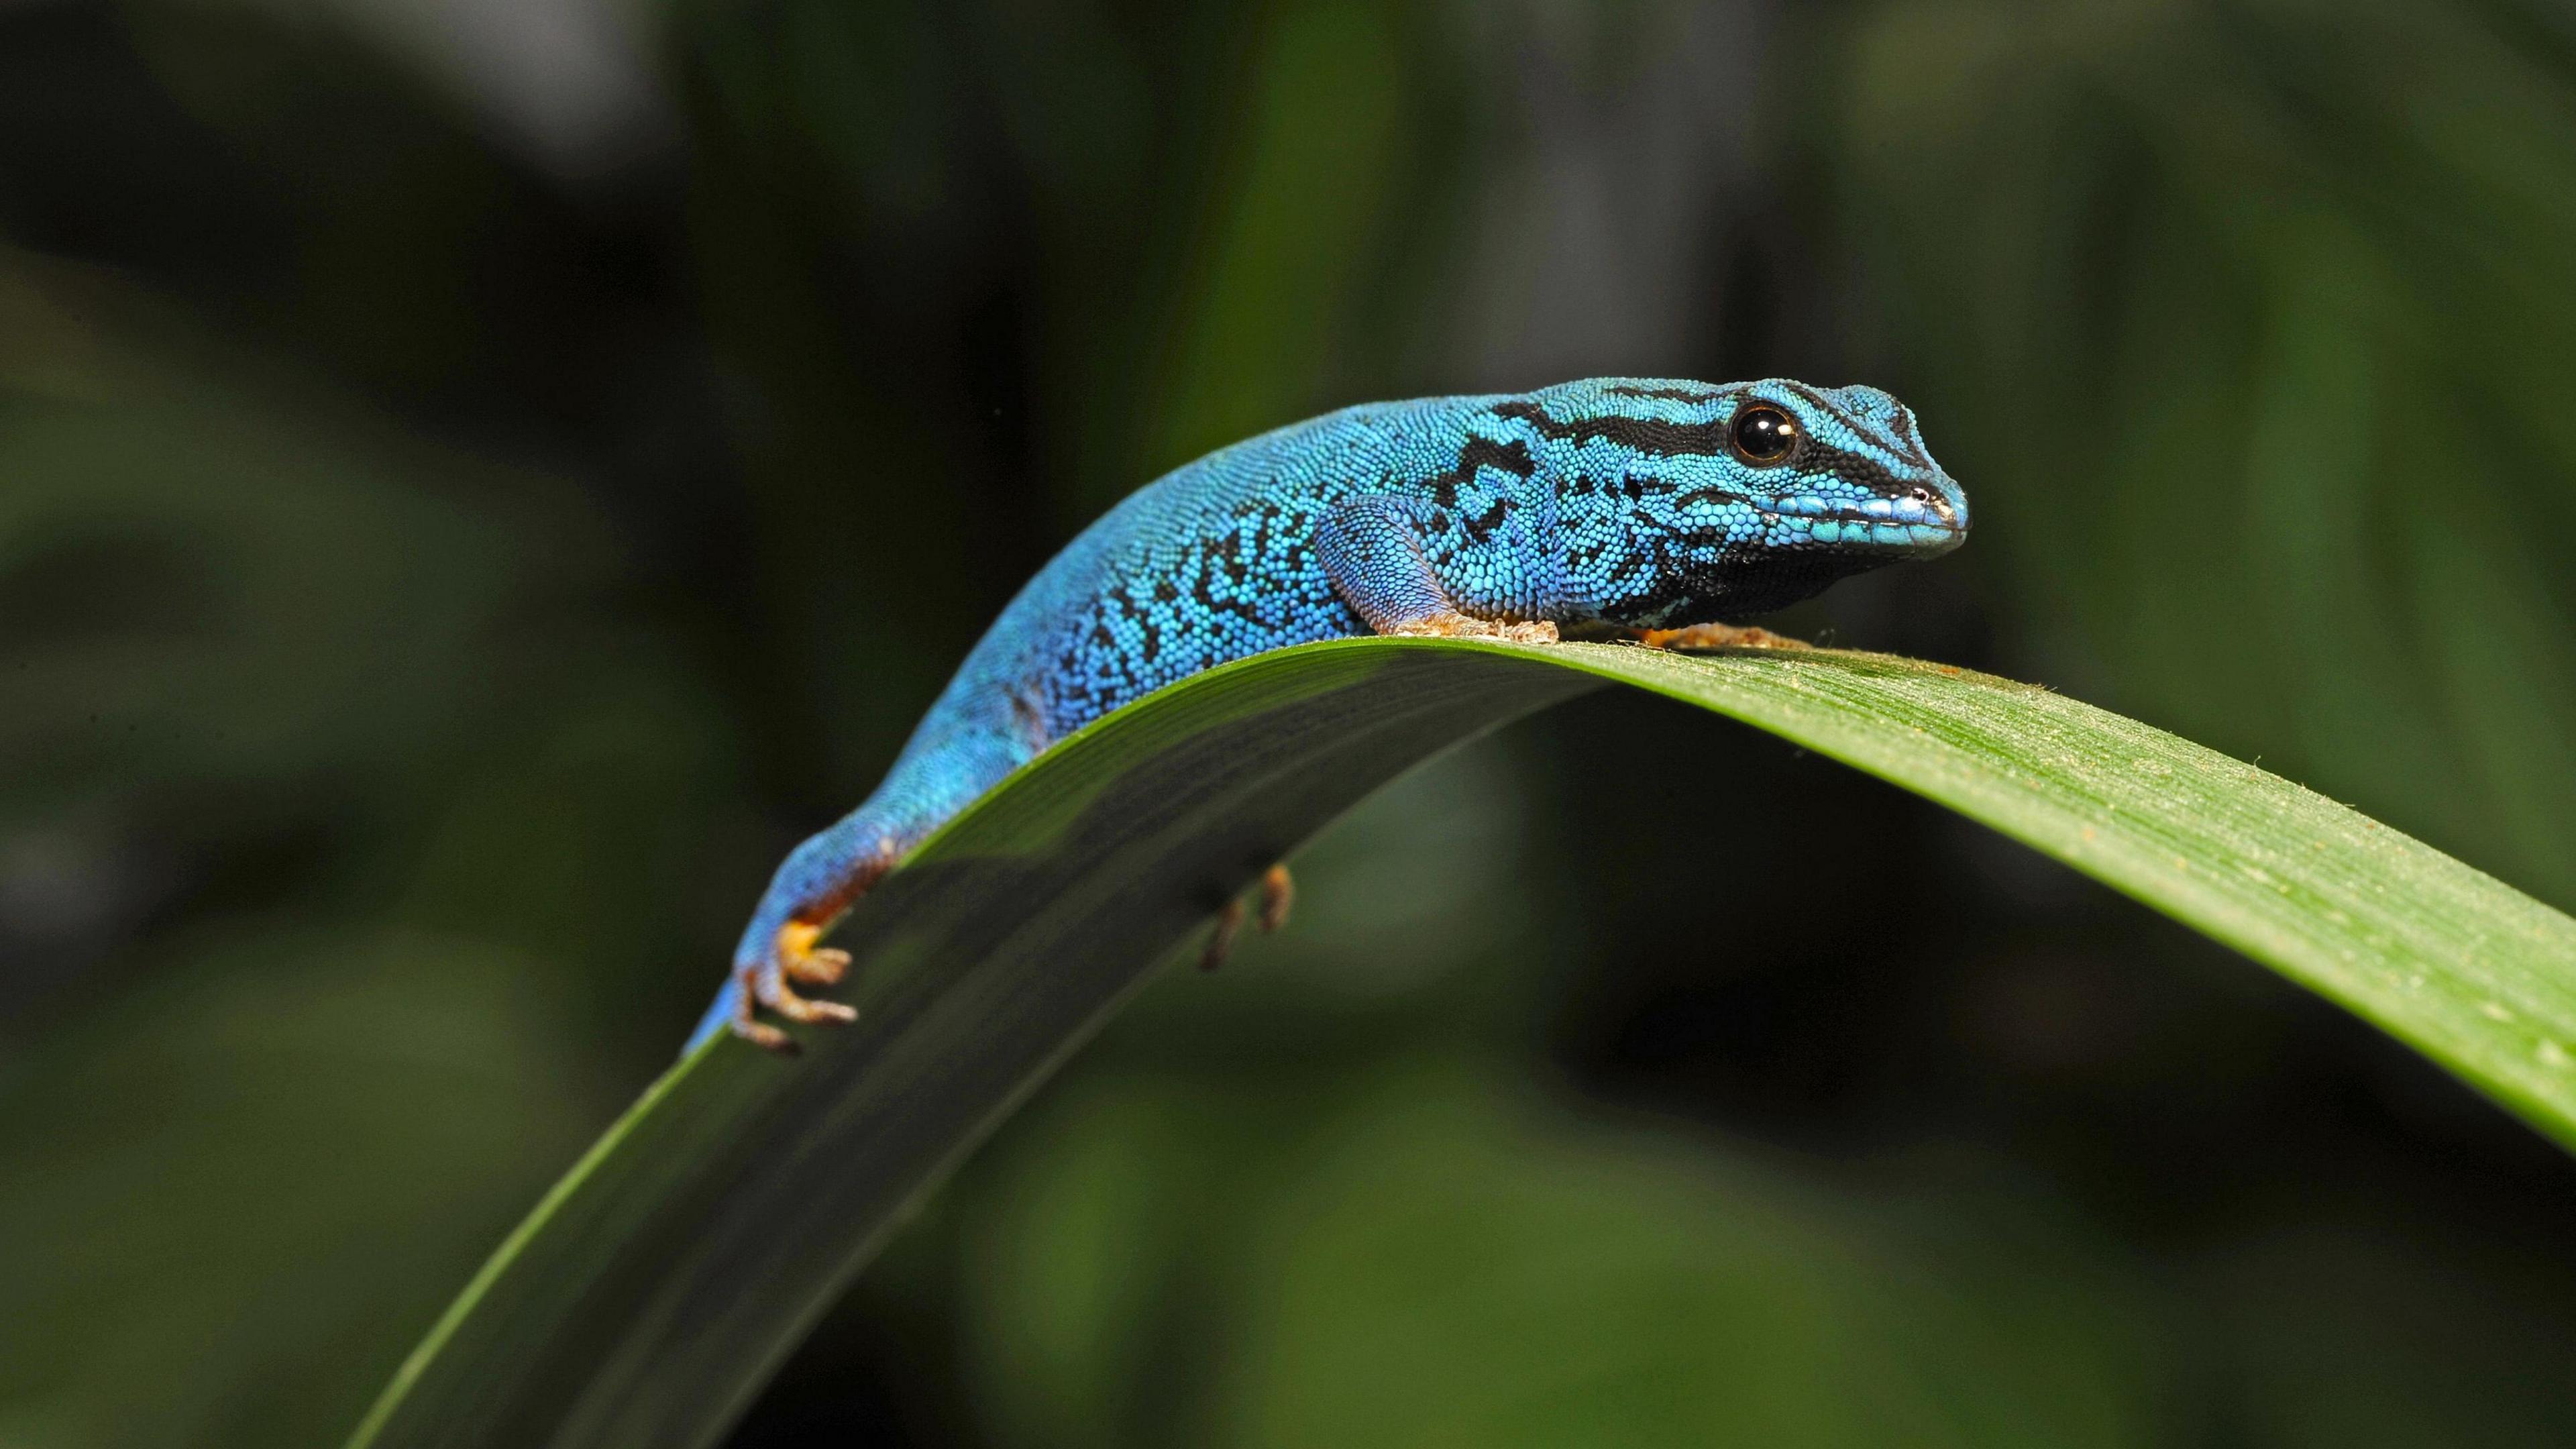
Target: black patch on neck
1652 436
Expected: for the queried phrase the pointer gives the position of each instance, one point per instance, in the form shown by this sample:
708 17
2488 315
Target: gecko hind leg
1278 893
785 957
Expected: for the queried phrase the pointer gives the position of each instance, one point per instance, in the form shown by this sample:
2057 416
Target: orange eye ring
1763 434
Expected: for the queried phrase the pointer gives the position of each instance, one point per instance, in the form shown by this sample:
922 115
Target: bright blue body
1629 502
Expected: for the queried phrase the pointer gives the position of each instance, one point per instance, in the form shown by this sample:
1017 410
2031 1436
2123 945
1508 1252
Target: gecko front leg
1372 551
1719 636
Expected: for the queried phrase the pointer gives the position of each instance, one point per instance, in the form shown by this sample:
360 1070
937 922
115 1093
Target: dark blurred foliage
478 481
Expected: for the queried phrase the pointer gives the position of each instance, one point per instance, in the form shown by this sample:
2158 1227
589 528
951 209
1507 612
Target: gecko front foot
765 983
1278 893
1720 636
1451 624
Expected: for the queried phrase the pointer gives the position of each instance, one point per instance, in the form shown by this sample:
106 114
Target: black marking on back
1149 634
1227 554
1475 455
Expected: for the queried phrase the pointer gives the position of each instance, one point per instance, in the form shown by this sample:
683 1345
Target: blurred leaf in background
478 482
218 1192
1430 1258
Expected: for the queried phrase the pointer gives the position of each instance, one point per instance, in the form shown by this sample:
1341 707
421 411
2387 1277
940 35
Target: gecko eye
1764 434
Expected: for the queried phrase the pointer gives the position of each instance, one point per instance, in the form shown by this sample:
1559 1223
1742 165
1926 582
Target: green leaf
652 1292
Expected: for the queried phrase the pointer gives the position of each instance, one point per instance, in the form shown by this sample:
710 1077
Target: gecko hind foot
765 984
1278 893
799 961
1454 625
818 968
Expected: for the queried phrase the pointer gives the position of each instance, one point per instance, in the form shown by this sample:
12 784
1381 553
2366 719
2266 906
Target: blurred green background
479 480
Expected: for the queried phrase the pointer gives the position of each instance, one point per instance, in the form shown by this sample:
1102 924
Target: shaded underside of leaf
653 1291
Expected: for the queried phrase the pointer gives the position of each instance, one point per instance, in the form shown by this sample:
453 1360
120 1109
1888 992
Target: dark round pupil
1763 434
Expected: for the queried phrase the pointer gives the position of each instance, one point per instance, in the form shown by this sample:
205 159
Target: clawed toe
822 1013
747 1025
771 990
1278 893
819 968
1220 941
775 994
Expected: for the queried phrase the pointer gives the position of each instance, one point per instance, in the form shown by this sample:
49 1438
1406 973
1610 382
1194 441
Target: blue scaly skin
1654 507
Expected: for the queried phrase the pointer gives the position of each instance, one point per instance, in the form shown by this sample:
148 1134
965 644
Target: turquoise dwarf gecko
1656 507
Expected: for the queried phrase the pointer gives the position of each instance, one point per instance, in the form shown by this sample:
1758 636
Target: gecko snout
1936 507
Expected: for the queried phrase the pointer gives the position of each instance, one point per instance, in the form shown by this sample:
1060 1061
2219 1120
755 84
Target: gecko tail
718 1017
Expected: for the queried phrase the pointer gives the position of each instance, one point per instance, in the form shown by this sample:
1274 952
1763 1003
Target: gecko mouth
1914 524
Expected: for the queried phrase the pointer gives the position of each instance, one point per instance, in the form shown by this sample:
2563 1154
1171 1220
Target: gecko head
1766 492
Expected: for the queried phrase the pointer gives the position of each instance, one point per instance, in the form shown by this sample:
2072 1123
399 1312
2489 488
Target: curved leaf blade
654 1290
2473 973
